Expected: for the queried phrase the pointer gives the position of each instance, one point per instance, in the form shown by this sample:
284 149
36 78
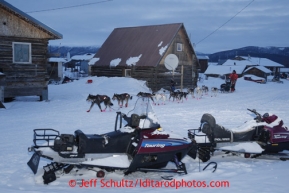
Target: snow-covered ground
66 112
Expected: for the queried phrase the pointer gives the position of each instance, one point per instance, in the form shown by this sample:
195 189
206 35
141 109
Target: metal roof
146 45
30 19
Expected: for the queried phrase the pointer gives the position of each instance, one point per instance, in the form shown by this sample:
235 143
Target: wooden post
182 77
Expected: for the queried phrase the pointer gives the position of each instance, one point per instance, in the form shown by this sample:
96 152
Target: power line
225 22
67 7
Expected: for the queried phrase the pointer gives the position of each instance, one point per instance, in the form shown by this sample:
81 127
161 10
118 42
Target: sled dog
98 99
121 98
145 94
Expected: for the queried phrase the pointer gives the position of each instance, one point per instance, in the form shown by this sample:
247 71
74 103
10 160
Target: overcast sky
213 25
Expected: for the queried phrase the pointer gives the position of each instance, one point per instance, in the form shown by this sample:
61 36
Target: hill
277 54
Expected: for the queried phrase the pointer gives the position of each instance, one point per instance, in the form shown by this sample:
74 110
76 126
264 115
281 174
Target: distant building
261 67
259 71
271 65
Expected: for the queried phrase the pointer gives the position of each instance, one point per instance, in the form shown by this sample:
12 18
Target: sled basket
193 133
44 137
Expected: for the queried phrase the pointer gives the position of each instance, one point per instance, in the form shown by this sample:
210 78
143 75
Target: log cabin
24 53
140 53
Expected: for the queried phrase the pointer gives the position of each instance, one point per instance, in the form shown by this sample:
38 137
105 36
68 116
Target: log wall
24 79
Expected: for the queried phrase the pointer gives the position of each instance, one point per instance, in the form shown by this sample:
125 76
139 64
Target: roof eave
33 21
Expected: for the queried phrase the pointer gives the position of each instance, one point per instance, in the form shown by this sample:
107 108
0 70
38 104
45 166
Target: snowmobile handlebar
259 116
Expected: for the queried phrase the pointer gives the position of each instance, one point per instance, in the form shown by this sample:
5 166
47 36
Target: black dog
173 95
146 95
183 95
122 97
98 99
178 95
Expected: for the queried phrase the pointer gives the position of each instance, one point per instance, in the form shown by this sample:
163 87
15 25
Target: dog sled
226 87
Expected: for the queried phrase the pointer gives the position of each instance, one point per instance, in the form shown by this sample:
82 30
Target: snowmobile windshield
143 110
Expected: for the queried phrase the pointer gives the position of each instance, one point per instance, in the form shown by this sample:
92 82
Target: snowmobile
265 134
137 143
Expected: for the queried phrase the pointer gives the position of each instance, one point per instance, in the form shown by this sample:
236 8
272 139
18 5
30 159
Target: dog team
157 98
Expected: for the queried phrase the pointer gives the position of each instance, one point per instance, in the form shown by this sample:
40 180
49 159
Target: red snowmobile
267 131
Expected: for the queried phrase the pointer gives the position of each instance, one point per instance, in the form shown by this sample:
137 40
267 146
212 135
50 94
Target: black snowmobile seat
113 142
221 134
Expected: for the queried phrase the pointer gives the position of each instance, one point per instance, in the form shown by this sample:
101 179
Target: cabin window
21 52
127 73
179 47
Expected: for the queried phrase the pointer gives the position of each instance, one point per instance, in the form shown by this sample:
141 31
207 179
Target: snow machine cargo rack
45 137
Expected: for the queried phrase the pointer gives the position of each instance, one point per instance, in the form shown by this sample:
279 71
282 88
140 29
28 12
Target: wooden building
140 52
23 56
259 71
203 61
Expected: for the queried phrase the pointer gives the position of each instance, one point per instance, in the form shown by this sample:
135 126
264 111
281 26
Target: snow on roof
115 62
162 50
57 60
92 61
133 60
221 70
262 68
87 56
238 63
263 61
